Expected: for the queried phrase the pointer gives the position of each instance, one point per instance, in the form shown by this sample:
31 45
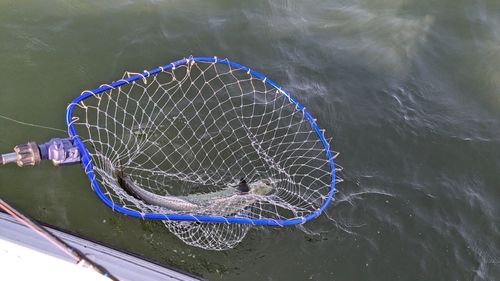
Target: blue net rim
88 167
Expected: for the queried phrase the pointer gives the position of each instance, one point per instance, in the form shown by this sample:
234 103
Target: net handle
88 167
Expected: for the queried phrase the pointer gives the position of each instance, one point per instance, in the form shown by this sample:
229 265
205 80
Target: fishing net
193 130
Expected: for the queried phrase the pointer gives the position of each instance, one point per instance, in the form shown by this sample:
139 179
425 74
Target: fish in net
205 145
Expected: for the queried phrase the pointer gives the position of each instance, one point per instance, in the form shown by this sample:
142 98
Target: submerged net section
191 132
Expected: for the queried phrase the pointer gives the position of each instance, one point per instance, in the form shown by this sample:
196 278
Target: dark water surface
408 90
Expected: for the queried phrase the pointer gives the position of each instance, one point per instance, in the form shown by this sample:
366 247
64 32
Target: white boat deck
25 255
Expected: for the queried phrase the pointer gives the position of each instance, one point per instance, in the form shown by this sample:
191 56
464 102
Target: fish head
263 186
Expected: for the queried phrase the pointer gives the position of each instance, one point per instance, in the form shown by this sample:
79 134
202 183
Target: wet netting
208 146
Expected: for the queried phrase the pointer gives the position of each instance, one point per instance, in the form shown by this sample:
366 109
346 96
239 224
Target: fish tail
117 173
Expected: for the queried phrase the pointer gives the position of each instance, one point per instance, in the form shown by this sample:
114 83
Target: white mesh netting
199 128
